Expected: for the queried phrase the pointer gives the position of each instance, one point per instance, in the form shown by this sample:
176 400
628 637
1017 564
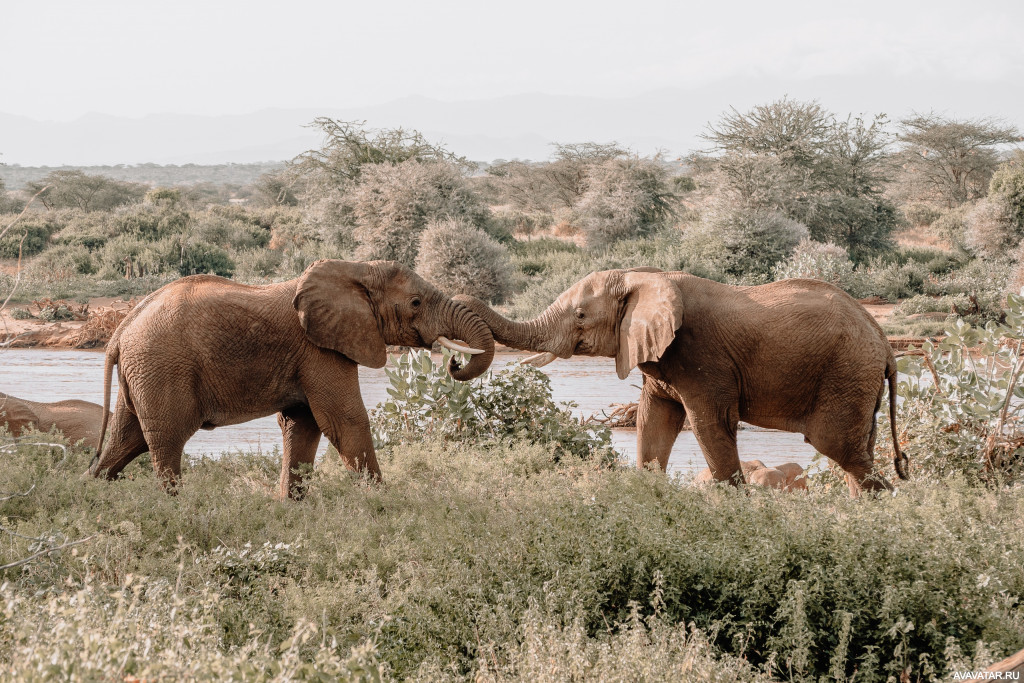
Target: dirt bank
88 326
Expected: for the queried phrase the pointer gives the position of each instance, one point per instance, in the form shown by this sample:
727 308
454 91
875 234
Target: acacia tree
77 190
952 160
799 159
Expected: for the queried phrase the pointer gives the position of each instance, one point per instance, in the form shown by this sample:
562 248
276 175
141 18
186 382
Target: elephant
77 420
204 351
786 477
796 355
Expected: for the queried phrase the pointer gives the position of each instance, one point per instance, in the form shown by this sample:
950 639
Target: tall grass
499 563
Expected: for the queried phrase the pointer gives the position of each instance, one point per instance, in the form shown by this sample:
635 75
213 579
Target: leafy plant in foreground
514 403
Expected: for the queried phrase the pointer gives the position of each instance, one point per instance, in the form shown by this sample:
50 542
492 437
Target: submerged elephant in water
796 355
203 352
77 420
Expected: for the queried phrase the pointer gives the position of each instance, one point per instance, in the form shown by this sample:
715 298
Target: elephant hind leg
125 442
854 453
301 437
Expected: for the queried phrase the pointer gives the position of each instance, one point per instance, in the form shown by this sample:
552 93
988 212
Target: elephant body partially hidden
77 420
204 352
796 355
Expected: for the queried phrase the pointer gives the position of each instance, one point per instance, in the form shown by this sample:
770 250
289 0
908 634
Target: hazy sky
63 58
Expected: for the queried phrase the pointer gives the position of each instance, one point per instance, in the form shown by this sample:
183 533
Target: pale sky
61 59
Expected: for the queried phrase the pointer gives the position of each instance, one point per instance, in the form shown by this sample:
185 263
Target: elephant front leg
347 427
658 422
301 437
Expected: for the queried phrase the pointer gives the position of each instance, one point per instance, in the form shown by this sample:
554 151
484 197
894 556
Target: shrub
819 261
257 264
514 403
462 259
202 257
961 412
625 198
921 215
26 238
745 244
952 225
62 262
392 205
990 229
1007 189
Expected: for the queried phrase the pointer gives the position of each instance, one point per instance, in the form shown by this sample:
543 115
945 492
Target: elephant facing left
204 352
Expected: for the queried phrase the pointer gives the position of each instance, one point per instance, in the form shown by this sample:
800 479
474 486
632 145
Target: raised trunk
533 335
464 324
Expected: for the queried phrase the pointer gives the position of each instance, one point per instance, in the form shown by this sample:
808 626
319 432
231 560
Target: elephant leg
301 437
124 442
338 408
658 422
844 439
166 439
715 429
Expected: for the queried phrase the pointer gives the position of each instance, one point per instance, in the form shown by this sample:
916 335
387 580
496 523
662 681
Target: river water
52 375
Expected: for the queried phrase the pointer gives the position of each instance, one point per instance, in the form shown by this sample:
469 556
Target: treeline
17 177
786 189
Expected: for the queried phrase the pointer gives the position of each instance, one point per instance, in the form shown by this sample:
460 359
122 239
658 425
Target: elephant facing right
796 355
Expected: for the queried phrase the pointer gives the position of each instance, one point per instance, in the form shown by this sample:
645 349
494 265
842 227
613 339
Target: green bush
745 244
476 562
515 403
1007 188
961 410
818 261
921 215
626 198
26 238
202 257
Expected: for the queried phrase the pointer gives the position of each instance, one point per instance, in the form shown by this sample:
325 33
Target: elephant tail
112 355
899 458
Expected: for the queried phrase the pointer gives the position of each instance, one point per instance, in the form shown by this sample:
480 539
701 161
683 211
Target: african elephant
77 420
796 355
203 352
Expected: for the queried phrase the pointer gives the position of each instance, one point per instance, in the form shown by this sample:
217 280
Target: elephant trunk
532 335
466 325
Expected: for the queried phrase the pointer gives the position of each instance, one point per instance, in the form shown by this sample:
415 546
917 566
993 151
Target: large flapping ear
334 309
652 314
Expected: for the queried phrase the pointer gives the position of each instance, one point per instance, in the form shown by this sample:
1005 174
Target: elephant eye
580 314
416 302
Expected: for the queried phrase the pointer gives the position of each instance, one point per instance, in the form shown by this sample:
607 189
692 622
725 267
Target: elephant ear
653 312
334 308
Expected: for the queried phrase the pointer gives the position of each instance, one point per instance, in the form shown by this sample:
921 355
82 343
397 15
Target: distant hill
520 126
15 176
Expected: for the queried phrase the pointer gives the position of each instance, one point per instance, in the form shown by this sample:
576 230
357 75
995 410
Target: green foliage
744 243
493 561
818 261
952 159
26 238
625 198
73 189
799 159
1007 187
201 257
962 411
52 314
515 403
391 206
21 314
921 215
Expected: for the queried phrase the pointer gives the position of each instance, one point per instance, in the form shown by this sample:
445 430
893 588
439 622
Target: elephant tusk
449 344
539 360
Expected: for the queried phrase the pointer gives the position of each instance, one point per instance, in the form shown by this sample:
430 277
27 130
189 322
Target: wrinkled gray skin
204 352
77 420
797 355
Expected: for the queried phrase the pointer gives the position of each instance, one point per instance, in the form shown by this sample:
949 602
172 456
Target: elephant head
629 315
358 309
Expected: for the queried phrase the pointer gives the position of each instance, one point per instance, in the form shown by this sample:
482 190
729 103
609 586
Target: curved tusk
539 360
449 344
